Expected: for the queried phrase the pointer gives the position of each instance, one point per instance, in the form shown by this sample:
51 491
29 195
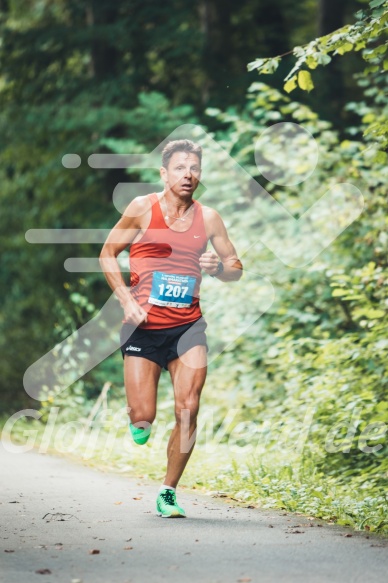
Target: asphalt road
54 513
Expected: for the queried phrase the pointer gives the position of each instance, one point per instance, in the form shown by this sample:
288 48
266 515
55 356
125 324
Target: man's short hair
180 146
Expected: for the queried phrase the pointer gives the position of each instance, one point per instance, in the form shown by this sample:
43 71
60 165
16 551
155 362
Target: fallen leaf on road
270 526
137 498
347 535
94 552
297 531
14 502
9 551
117 503
128 548
58 516
43 572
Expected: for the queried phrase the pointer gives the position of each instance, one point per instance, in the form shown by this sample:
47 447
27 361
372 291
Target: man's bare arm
122 235
224 248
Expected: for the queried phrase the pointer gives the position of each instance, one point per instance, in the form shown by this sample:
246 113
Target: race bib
169 289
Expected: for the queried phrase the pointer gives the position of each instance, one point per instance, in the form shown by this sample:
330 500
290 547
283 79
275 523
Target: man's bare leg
188 376
141 377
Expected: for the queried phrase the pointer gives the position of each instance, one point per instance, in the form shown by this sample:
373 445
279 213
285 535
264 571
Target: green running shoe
166 505
140 435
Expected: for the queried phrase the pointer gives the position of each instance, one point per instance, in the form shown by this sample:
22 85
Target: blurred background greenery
97 76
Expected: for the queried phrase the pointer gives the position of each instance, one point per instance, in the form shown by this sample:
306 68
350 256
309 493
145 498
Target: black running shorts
162 346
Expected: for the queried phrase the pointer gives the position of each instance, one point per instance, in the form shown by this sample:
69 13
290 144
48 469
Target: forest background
95 76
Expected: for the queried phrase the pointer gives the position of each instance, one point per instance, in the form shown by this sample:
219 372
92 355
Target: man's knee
141 414
187 411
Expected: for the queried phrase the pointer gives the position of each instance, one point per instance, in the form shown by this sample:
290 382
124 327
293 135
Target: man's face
182 174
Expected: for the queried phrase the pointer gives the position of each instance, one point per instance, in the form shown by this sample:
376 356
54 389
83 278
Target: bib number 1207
173 290
170 290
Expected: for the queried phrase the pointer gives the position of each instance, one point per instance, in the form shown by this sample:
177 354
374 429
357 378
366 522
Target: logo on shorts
130 347
197 236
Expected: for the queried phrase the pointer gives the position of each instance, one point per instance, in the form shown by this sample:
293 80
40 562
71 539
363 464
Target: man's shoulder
209 213
139 206
210 216
212 221
142 203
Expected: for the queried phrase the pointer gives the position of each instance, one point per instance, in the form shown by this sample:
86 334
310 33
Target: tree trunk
331 16
4 6
104 56
205 23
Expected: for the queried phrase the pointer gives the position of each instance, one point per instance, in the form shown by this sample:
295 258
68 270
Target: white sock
164 487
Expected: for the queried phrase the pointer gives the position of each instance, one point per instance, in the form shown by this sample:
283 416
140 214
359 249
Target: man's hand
209 262
133 313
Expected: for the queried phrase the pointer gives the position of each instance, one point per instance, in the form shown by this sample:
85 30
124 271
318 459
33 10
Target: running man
167 234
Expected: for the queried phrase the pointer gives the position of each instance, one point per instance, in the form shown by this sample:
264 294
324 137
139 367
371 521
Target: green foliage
84 77
370 27
322 345
308 378
38 192
367 35
313 494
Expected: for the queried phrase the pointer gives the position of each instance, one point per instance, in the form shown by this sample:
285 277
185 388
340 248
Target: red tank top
165 271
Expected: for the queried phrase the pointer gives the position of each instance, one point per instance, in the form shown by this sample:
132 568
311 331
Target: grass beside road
246 475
